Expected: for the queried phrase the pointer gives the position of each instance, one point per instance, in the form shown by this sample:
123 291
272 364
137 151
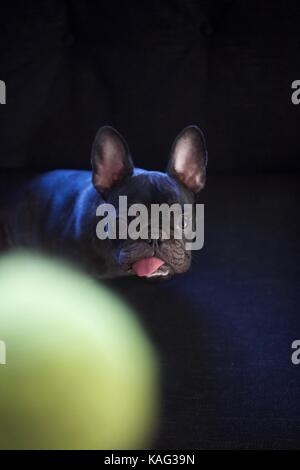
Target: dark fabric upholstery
223 330
149 68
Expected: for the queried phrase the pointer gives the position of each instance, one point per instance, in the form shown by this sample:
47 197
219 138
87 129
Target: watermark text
2 92
2 353
160 221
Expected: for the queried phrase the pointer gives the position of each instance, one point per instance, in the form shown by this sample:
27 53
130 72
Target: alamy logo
296 94
2 353
296 354
2 92
162 221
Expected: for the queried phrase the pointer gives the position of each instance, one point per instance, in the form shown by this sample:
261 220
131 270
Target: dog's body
56 212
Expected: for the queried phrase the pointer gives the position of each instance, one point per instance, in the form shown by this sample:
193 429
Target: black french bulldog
56 212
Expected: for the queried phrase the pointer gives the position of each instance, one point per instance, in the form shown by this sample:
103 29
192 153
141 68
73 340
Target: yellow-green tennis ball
79 372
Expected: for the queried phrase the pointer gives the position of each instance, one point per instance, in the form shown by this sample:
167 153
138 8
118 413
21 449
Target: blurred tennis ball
80 373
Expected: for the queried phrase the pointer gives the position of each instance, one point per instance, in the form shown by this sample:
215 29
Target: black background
224 330
150 68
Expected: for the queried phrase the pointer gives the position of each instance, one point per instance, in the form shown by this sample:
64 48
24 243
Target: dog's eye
183 222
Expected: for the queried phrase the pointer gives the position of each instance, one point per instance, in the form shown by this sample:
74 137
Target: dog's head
114 175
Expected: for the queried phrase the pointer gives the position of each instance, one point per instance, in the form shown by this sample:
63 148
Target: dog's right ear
111 160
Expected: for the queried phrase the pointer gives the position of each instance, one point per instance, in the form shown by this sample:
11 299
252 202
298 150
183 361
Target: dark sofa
223 330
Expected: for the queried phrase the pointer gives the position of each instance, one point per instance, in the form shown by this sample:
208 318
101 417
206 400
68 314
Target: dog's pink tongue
147 266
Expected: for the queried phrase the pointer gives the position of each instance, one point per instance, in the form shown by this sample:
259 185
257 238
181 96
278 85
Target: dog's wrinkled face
114 175
152 188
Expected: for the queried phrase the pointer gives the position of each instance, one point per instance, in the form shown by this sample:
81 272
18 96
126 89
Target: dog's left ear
111 160
188 159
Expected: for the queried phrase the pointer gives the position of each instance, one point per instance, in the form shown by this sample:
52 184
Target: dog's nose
154 242
155 236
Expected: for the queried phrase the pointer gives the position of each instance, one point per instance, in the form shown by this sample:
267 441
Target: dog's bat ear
111 160
189 158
